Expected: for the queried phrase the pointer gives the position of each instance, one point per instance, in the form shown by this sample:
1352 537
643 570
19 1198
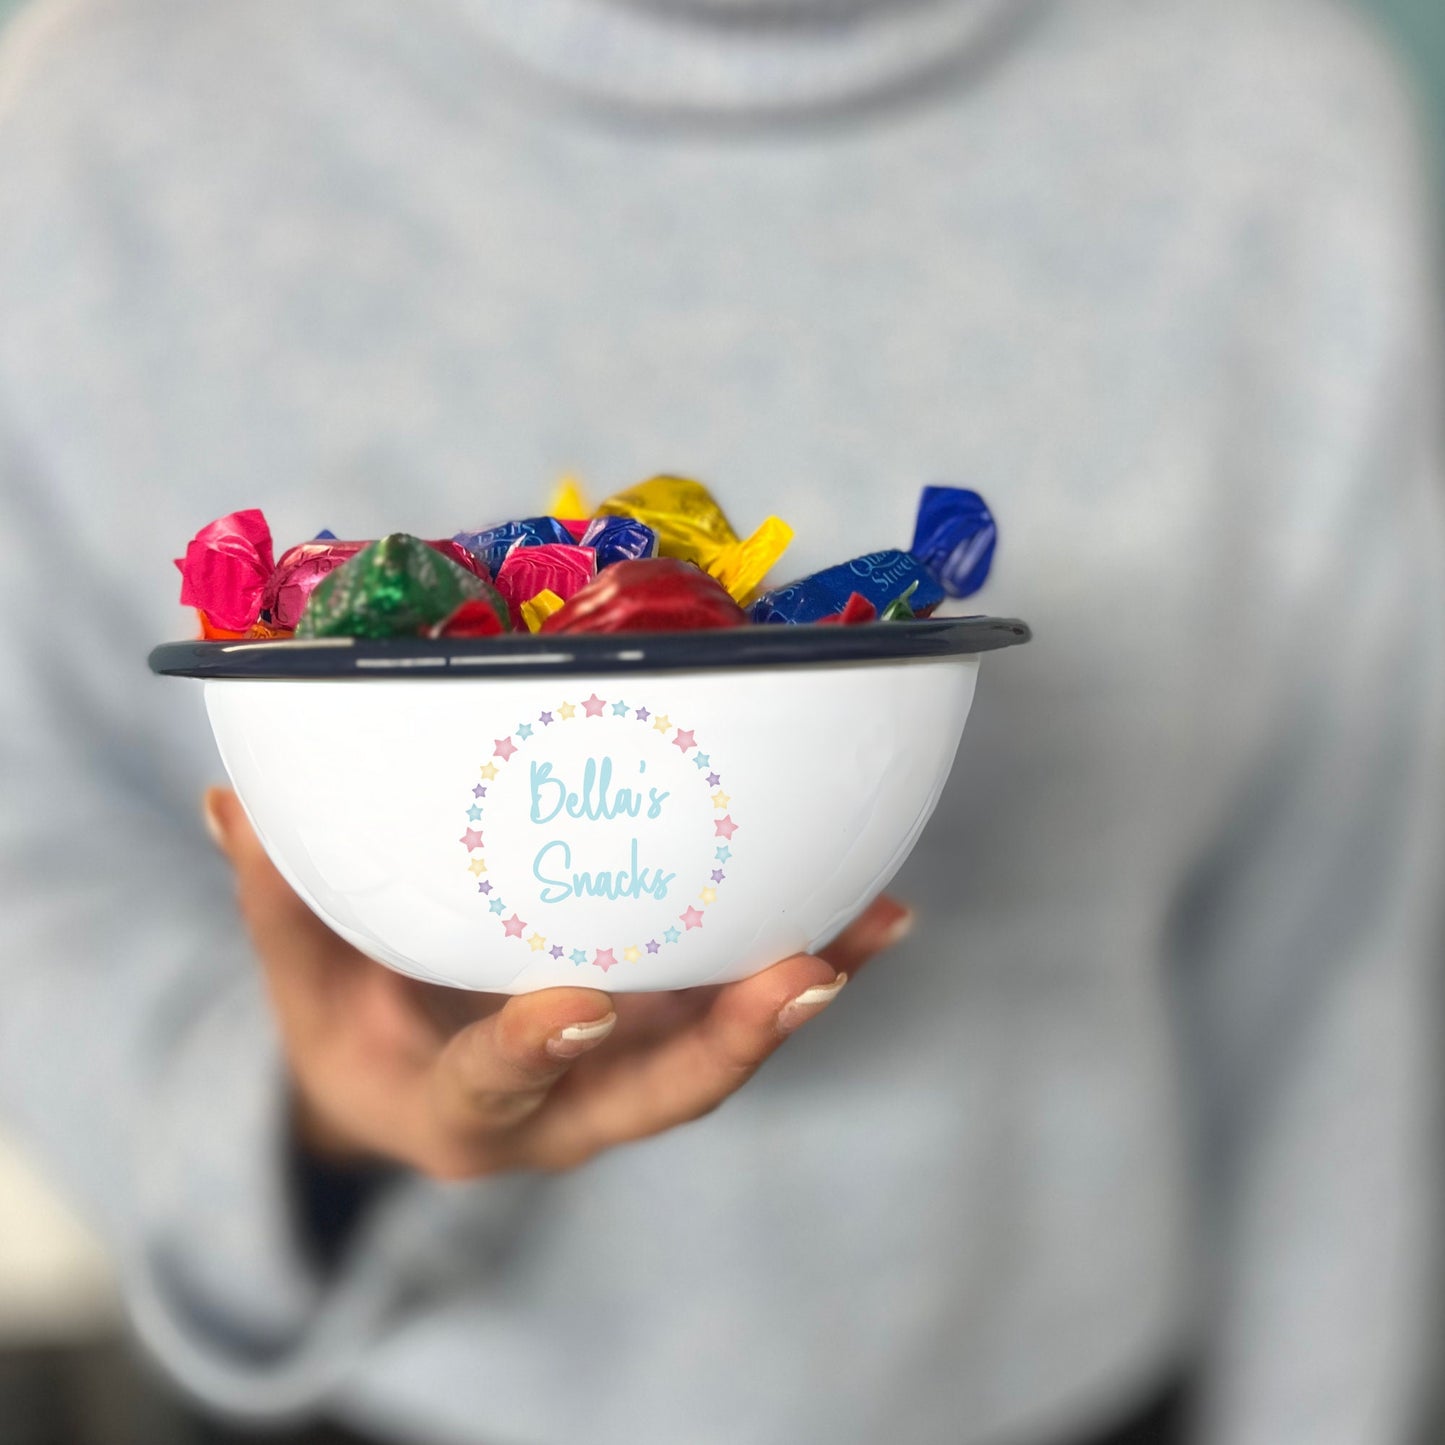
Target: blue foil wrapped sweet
954 537
879 576
619 539
493 543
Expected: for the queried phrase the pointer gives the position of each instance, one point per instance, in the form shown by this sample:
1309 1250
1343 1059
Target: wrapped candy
479 617
536 610
398 586
302 567
954 537
657 595
691 526
568 504
225 569
901 608
855 610
619 539
554 567
879 577
492 544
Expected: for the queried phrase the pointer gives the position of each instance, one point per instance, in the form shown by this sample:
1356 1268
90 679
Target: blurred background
66 1371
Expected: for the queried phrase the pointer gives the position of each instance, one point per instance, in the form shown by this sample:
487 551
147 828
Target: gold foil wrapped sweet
536 610
691 526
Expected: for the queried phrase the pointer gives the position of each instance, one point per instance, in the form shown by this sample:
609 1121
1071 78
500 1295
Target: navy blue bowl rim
523 655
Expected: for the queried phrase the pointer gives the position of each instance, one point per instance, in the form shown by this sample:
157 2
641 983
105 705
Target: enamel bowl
624 812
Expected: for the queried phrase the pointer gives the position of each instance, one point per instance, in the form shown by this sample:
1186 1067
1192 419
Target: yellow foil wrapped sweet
690 525
536 610
568 504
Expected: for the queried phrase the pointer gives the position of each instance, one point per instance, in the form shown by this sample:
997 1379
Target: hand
460 1084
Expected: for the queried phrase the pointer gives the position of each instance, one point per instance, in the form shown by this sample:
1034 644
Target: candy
568 504
855 610
492 544
396 587
690 525
225 569
302 567
880 577
658 595
527 571
478 617
901 608
619 539
536 610
954 537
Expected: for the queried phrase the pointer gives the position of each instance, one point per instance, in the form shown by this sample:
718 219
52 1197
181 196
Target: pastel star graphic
513 927
604 959
524 731
692 917
653 945
474 813
472 838
545 719
662 723
496 905
566 711
505 748
477 867
485 887
578 956
479 791
723 854
631 954
718 875
619 709
671 936
702 762
556 950
642 714
536 943
720 799
713 780
684 740
708 894
489 770
594 705
724 827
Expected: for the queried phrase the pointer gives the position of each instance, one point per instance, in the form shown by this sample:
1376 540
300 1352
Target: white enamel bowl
627 813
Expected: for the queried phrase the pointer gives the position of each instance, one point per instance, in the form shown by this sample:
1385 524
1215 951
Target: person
1143 1110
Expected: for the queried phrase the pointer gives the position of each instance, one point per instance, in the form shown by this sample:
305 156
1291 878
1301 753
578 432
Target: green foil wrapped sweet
901 608
396 587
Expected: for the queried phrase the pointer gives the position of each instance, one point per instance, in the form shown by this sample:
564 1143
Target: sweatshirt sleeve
1311 945
137 1057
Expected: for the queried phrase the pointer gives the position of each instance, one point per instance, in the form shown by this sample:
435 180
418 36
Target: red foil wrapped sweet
551 567
225 569
855 610
657 594
302 567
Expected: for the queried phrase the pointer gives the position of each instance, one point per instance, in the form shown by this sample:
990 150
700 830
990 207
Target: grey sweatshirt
1152 1086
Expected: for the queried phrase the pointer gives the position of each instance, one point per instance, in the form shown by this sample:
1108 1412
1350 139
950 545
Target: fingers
498 1071
276 917
884 924
687 1075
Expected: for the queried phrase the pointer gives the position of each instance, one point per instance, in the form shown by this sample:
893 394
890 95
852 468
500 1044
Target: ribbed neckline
742 58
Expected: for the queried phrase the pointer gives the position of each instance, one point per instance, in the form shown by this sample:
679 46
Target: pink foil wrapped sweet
302 567
551 567
225 569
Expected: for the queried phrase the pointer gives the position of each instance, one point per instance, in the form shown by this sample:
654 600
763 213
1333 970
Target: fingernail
809 1004
901 926
212 817
578 1038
